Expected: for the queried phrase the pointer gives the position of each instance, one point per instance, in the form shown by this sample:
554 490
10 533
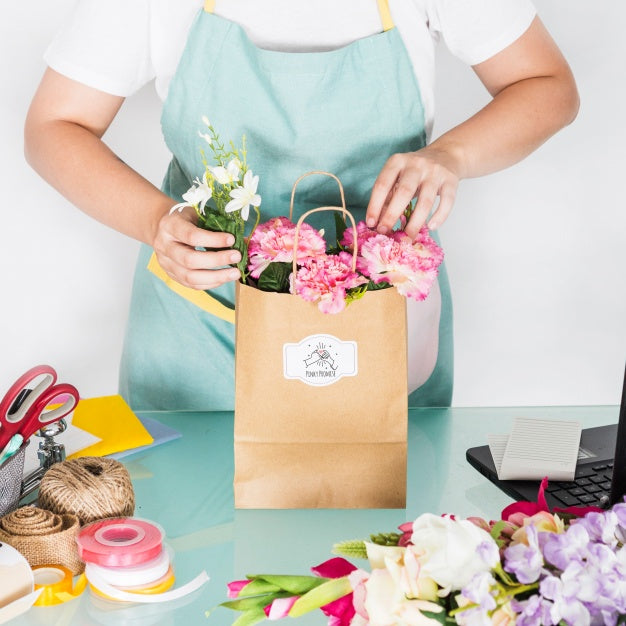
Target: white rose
447 550
387 605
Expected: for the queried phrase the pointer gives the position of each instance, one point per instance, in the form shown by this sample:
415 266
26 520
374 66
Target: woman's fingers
424 174
176 245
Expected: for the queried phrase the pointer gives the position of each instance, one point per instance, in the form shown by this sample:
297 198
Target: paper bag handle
325 208
293 190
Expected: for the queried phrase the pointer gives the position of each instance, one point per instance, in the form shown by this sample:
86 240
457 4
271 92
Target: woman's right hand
175 243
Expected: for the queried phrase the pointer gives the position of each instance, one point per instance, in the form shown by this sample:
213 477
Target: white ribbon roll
124 596
135 575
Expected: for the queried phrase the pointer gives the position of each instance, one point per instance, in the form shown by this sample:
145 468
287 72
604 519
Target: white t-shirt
118 46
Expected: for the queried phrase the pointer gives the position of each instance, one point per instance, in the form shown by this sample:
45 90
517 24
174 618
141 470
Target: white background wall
536 254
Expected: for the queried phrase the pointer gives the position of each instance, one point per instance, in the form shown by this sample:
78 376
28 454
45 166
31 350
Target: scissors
23 410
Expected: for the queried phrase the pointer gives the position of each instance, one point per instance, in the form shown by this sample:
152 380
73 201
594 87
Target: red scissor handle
63 394
30 415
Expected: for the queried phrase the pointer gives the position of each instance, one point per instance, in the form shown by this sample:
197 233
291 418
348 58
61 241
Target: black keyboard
591 487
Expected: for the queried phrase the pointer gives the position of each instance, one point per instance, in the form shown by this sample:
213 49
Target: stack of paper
537 448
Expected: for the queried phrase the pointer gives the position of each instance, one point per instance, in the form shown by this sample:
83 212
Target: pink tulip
280 607
235 587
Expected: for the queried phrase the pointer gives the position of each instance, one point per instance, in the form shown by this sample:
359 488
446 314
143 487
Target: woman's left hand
425 174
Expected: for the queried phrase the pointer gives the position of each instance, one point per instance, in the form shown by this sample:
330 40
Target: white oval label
320 360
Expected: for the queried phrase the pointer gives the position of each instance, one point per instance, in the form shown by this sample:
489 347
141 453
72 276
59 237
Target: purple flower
488 552
561 549
525 561
479 590
565 605
533 612
602 527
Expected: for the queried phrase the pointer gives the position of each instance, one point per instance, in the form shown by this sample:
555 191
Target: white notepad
536 448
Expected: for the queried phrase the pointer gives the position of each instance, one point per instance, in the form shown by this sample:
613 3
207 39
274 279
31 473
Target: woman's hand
534 95
425 174
175 243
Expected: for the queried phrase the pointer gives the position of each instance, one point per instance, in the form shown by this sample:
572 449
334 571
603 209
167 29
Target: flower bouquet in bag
321 348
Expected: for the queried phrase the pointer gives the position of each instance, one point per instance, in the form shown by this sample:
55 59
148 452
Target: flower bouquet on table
533 567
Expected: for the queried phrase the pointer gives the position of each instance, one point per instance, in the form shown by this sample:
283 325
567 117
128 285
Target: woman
325 85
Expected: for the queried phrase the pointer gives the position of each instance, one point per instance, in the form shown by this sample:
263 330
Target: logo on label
320 360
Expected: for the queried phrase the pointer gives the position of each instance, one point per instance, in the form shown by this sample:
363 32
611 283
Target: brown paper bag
320 401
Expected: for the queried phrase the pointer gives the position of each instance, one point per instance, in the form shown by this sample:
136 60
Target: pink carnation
325 279
272 242
363 233
410 266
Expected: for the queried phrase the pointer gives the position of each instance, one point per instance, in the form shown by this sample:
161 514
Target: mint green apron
344 111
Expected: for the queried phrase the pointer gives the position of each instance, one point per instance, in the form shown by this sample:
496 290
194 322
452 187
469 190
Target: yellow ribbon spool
56 583
158 586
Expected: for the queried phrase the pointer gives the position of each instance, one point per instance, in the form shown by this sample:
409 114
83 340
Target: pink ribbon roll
120 542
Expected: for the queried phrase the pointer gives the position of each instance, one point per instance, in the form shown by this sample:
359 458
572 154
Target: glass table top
186 487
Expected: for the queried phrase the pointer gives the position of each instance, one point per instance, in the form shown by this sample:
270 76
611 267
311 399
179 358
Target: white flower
196 196
244 196
205 121
447 550
229 174
386 604
206 137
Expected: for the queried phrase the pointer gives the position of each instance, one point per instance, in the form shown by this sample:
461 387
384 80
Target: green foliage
340 225
386 539
249 618
353 549
275 277
294 585
329 591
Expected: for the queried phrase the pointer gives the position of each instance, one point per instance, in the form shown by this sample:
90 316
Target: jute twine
92 488
43 537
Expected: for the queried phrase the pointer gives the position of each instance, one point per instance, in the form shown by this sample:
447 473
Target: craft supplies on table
131 550
32 401
92 488
17 584
56 585
43 537
11 471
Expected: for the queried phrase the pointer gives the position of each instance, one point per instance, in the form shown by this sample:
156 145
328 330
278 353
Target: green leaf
294 585
329 591
256 587
217 222
441 617
249 618
497 529
340 225
254 602
275 277
354 549
372 286
355 294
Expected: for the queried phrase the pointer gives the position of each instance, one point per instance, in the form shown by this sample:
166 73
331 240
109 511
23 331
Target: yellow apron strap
200 298
383 9
385 14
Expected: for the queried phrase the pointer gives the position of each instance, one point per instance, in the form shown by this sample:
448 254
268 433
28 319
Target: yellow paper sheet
112 420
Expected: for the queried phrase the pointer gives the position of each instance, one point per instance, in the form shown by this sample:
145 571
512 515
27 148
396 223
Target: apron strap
200 298
383 9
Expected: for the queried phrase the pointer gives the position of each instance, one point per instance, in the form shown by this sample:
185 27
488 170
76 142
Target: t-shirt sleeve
105 44
476 30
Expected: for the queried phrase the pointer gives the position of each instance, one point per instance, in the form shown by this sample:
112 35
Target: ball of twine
92 488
